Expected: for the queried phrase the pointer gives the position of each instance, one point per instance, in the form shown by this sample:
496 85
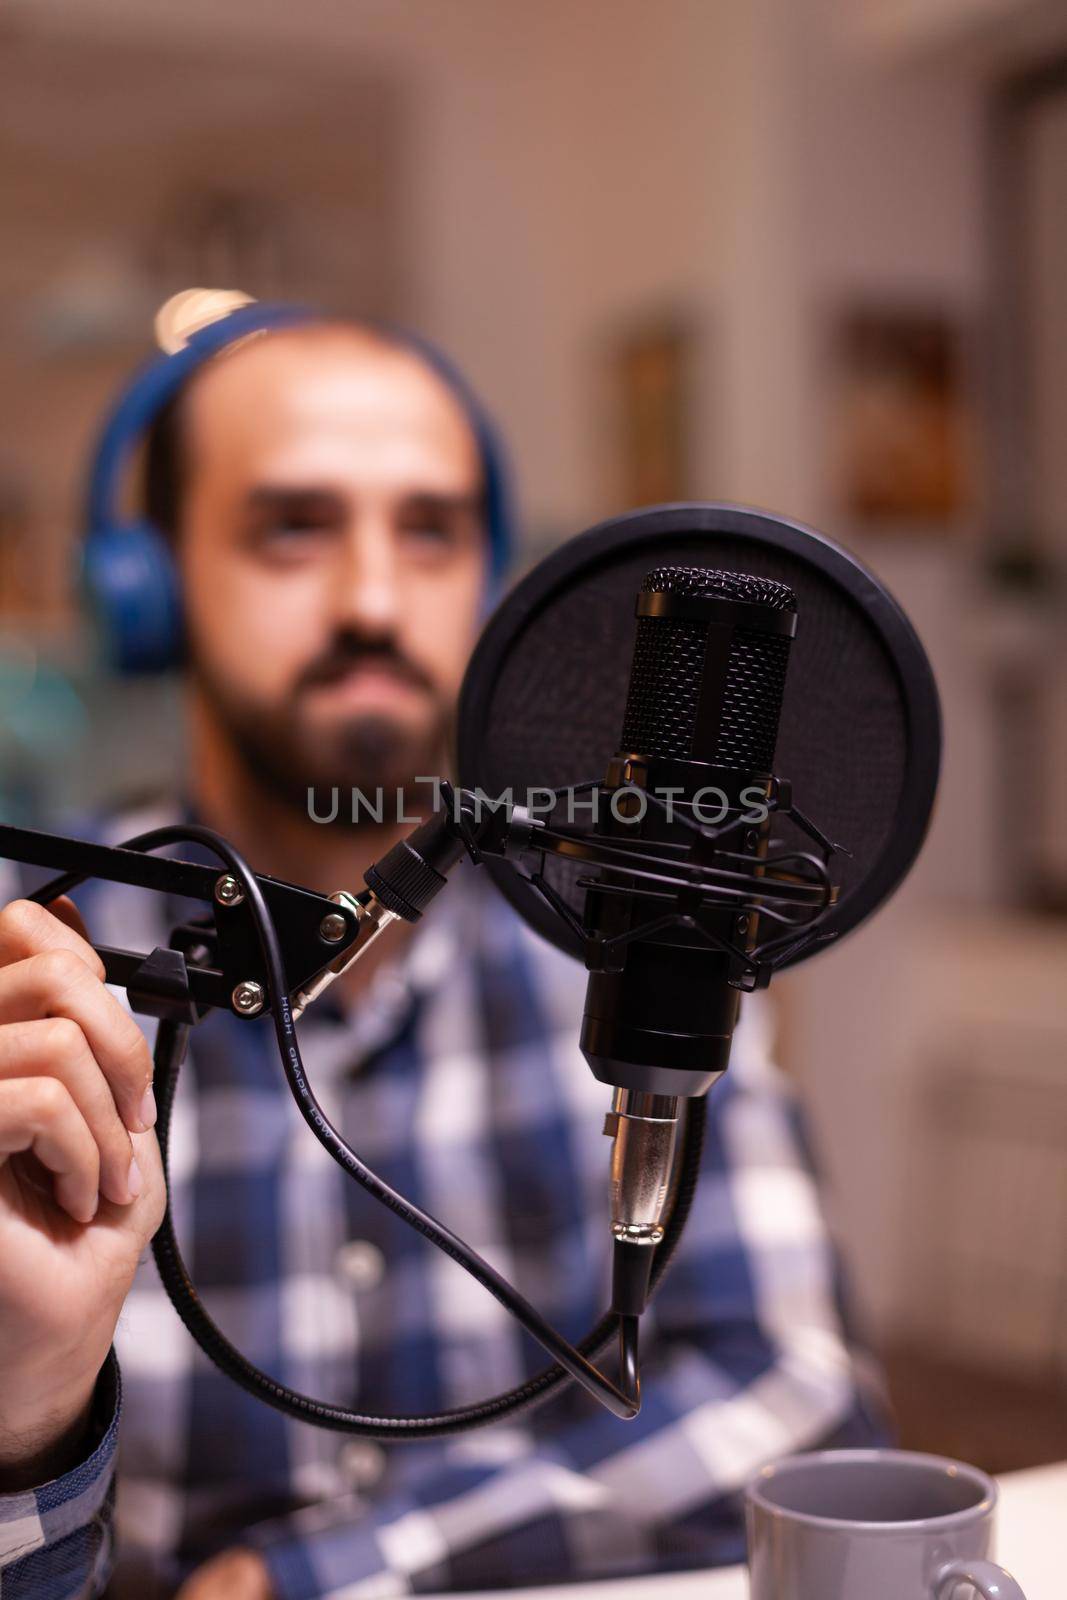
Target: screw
228 891
248 999
333 927
742 924
751 839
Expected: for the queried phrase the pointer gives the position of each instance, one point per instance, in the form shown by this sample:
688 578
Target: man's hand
81 1187
234 1575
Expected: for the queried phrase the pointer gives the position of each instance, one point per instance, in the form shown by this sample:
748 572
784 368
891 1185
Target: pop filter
860 736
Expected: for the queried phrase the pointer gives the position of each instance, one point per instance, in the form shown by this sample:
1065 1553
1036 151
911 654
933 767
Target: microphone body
697 746
700 729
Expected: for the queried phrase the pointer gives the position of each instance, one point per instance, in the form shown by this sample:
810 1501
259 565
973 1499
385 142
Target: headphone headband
151 387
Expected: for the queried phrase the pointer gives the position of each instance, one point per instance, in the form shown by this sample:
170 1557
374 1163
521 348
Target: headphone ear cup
128 573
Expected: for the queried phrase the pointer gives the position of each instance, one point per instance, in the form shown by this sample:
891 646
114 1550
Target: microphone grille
670 666
709 582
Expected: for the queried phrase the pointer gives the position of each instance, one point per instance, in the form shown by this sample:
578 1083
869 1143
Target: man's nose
366 597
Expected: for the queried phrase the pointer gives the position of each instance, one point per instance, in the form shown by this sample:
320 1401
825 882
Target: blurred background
805 254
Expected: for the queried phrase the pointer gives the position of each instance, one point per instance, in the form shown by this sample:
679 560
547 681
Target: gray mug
873 1525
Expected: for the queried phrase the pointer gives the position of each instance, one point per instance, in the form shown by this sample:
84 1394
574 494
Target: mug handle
985 1576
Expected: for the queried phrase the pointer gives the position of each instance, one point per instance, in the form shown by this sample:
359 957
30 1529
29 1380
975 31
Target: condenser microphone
675 914
696 753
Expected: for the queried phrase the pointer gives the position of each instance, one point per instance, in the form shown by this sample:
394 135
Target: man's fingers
56 1047
27 929
39 1115
68 913
147 1214
59 984
233 1575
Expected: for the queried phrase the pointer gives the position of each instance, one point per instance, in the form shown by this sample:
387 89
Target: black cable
570 1360
533 1392
629 1358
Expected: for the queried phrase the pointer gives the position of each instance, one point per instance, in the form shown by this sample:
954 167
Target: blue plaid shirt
458 1078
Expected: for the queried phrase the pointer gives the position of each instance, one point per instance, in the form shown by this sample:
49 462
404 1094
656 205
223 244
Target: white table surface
1031 1542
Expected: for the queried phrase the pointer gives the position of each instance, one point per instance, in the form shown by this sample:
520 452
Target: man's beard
372 753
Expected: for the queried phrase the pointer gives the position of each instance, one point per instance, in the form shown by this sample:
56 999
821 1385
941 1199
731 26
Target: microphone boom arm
220 953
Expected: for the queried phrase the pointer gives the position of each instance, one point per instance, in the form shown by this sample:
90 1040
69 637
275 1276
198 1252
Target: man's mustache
345 655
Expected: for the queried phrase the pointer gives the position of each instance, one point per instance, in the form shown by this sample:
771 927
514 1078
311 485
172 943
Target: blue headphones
127 566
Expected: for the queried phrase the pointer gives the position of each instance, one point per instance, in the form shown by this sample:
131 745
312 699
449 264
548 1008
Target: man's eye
290 533
286 526
428 530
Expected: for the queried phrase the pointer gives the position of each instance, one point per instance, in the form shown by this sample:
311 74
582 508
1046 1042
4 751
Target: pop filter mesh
546 691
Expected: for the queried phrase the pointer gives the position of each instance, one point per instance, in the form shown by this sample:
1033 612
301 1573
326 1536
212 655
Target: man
324 490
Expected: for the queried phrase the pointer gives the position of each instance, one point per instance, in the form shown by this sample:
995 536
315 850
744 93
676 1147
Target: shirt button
361 1264
362 1463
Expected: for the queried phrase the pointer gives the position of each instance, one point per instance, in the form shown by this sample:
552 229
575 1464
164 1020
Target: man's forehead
326 389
